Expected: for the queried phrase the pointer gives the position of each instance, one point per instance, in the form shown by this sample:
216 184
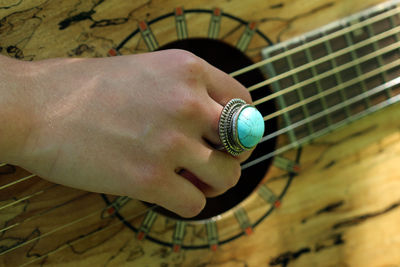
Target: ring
241 126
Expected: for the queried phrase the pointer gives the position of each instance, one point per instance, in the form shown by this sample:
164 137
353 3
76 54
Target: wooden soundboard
342 207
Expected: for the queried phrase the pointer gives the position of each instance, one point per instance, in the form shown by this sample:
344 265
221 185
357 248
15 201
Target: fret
395 83
337 75
295 77
377 28
342 94
324 73
392 25
341 54
319 87
393 66
350 42
373 30
270 70
353 65
363 113
379 58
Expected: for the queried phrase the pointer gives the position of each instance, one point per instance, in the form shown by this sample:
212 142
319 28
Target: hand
143 126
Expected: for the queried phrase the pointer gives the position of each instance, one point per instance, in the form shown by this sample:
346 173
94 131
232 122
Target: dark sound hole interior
229 59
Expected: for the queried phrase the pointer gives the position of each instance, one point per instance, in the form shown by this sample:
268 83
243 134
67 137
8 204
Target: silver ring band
228 126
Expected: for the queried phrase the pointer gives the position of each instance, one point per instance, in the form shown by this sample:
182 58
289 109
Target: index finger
221 87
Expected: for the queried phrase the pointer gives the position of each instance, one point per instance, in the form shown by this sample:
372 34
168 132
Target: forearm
15 109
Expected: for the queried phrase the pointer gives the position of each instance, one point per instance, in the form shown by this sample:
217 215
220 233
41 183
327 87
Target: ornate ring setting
241 126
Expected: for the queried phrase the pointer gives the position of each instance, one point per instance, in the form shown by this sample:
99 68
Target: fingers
222 88
206 171
210 129
216 169
244 156
178 195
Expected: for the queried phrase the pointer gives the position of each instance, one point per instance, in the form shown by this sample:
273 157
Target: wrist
16 108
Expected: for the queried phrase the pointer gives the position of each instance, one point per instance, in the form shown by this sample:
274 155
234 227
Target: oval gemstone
250 127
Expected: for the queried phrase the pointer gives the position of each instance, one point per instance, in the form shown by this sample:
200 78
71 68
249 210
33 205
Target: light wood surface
341 210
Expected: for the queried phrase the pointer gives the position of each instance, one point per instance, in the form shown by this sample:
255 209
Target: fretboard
332 76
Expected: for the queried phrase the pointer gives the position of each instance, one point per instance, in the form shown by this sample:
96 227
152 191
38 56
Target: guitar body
341 209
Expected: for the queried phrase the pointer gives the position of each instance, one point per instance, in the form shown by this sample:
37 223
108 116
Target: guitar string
93 233
28 177
26 198
319 133
326 58
89 235
289 89
334 89
300 68
308 138
69 224
101 210
74 242
330 36
391 100
334 108
325 74
42 213
304 140
309 99
396 98
371 109
17 181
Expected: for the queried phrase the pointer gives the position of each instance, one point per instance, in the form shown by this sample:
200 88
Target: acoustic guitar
322 187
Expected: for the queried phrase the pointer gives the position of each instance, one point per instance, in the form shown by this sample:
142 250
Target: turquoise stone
250 127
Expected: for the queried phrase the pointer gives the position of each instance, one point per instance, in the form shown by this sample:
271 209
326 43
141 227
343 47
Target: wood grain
341 210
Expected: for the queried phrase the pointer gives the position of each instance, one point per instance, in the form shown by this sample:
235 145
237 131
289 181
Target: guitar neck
339 73
333 76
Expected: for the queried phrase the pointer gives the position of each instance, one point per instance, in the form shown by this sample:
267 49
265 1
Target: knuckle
189 66
151 176
190 107
184 61
175 142
172 142
188 60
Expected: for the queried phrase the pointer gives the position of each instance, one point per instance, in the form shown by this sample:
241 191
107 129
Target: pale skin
143 126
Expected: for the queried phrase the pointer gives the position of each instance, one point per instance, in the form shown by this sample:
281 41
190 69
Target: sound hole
228 59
